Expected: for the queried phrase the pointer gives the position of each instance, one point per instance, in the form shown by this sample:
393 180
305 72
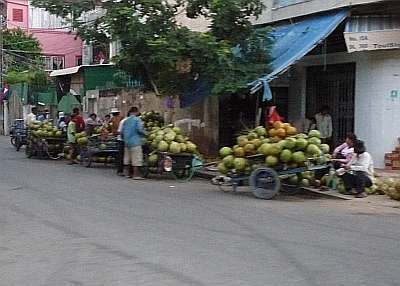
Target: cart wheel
17 144
53 155
185 174
87 161
265 183
28 151
144 170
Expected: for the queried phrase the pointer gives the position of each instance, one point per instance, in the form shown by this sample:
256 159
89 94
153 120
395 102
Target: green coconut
271 161
314 133
163 146
299 157
229 161
286 156
225 151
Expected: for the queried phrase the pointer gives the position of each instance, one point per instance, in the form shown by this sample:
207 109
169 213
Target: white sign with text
371 41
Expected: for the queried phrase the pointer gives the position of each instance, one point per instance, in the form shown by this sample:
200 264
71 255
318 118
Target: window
78 60
41 19
284 3
18 15
52 63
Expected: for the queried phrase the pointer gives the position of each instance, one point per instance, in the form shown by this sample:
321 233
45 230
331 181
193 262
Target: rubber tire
265 183
183 174
144 170
28 151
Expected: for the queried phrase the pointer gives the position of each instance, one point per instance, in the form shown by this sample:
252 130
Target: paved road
67 225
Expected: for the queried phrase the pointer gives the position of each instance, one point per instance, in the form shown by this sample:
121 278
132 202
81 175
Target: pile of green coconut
45 129
169 139
285 149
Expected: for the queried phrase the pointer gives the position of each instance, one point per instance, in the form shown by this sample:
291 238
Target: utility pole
3 26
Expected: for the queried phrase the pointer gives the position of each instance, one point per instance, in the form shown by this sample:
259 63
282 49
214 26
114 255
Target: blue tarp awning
293 41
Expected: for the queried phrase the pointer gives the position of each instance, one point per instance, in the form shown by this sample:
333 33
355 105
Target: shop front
354 68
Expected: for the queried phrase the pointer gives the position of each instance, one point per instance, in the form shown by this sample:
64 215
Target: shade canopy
295 40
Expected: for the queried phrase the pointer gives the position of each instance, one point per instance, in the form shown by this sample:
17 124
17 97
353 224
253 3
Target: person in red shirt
80 123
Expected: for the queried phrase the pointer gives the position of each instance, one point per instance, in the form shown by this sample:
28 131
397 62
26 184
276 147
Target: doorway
334 86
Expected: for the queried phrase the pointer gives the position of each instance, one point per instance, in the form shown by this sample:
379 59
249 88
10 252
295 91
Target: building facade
354 69
61 48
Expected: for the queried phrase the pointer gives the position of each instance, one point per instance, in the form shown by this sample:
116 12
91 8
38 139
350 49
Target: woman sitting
359 171
343 153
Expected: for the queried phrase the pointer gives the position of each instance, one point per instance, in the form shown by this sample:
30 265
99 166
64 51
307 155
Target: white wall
41 19
377 115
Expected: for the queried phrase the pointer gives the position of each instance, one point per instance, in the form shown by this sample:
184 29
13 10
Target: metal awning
375 32
73 70
295 40
361 24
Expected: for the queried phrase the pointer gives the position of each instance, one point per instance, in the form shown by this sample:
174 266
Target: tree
171 57
22 58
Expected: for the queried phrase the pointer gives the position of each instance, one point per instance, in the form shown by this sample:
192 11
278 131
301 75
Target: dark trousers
338 165
120 158
357 180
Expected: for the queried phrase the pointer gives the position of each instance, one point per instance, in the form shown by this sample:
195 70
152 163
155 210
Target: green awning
67 103
21 90
48 98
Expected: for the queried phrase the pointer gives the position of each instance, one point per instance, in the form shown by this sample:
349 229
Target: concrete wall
201 119
17 4
273 14
377 96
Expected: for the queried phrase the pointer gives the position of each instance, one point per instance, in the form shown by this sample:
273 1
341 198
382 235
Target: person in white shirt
61 121
324 124
31 117
360 171
305 125
91 123
121 148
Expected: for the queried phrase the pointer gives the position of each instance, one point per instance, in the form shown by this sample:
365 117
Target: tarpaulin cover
67 103
48 98
21 89
198 92
293 41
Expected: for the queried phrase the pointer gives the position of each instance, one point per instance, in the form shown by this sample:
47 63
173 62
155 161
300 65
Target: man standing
71 137
91 123
132 133
324 124
80 123
115 120
31 117
121 147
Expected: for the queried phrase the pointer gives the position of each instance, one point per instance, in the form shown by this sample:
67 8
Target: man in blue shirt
132 134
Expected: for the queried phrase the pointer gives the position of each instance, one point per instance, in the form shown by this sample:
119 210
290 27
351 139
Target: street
68 225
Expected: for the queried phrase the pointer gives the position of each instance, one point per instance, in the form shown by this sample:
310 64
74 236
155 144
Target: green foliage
170 57
230 19
22 58
65 8
22 51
